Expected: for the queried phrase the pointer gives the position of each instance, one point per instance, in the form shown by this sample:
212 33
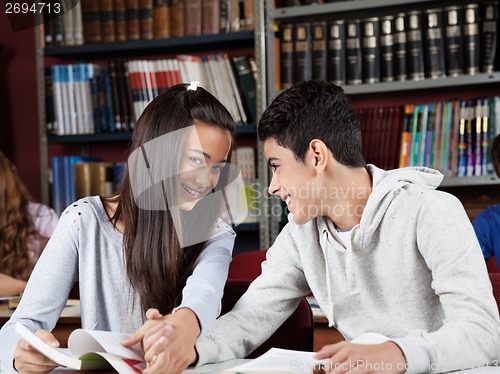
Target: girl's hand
10 286
28 360
362 358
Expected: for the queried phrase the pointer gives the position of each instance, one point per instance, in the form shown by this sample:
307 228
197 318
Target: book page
55 354
84 341
278 361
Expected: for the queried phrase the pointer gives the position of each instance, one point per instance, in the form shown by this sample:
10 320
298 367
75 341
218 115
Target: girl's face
205 154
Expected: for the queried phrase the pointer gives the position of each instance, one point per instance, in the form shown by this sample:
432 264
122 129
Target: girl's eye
217 169
196 160
274 167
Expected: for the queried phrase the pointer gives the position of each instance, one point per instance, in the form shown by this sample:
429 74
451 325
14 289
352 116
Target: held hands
28 360
347 357
168 341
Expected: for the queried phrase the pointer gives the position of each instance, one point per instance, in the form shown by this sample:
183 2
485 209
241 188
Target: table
323 334
69 320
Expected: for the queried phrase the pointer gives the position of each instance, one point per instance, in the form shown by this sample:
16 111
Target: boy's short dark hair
495 154
314 110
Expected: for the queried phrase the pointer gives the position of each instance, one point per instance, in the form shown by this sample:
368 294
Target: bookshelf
392 92
240 42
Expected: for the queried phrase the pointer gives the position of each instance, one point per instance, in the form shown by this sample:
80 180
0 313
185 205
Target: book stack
108 21
88 98
453 137
413 45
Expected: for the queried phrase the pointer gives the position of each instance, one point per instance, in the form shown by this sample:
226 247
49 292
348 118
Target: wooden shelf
234 40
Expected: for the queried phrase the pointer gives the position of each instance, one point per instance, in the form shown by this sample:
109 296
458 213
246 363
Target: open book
90 350
285 361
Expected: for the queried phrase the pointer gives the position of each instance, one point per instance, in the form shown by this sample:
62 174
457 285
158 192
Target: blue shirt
487 227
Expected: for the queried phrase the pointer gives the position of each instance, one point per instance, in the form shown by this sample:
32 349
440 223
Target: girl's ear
318 155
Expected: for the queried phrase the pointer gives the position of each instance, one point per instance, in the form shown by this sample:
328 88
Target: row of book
453 137
96 21
88 98
74 177
406 46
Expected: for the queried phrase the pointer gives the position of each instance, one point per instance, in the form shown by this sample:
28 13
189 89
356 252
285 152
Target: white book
90 350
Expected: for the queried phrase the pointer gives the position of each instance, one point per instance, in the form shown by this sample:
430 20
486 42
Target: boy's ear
318 155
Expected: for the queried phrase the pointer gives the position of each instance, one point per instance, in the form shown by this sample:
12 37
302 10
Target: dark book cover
119 19
370 50
454 45
50 118
400 69
161 19
125 96
146 19
287 56
90 22
336 52
48 27
434 44
106 20
115 96
210 17
192 17
246 84
415 47
472 51
132 19
353 52
177 27
387 49
302 52
319 50
489 36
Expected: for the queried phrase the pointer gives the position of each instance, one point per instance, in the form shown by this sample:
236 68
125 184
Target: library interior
422 78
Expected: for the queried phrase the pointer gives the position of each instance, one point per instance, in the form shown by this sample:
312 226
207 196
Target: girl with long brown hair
159 243
25 227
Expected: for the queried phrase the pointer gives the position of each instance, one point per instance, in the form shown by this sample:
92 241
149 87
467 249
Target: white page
83 341
279 361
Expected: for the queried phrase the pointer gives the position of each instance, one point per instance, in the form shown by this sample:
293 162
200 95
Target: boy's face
292 181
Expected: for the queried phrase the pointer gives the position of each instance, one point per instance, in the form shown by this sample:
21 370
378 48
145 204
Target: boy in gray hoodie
381 251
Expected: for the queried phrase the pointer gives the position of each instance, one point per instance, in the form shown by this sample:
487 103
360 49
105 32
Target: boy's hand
28 360
363 358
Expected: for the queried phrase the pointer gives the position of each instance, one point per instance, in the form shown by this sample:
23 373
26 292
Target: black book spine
336 52
415 46
489 36
387 49
453 24
287 56
353 52
434 44
303 52
370 50
319 53
471 39
400 47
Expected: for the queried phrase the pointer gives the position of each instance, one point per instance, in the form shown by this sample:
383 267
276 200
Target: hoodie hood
386 185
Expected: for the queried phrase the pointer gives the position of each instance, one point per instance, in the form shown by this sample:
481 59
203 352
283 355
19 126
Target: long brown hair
16 226
156 264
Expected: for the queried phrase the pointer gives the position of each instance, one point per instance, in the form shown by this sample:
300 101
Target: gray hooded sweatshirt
415 273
